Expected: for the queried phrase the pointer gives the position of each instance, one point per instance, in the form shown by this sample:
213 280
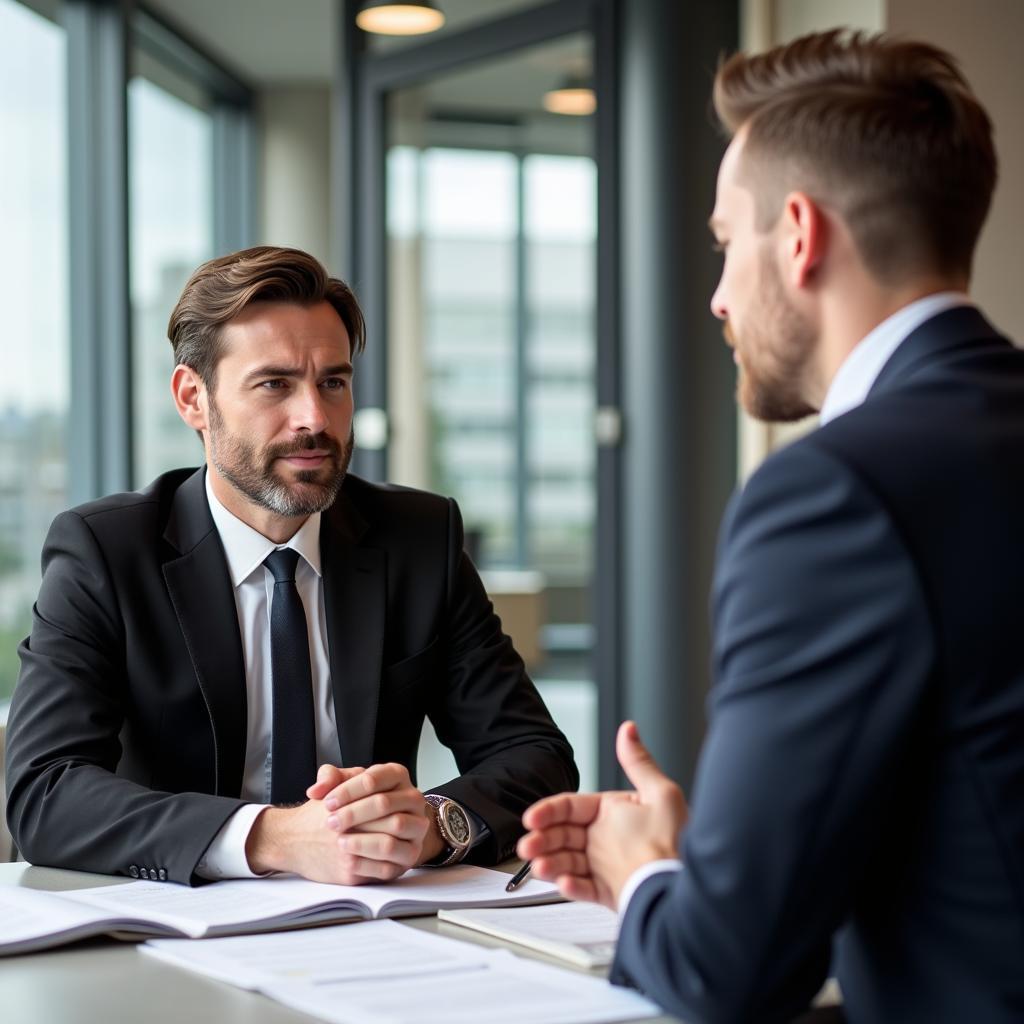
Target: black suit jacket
126 735
861 786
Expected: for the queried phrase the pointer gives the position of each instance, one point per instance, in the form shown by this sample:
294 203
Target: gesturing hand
557 843
590 843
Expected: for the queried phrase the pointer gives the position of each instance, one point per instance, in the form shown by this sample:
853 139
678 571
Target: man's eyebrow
262 372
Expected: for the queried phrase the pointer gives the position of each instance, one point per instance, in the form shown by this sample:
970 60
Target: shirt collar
861 367
246 548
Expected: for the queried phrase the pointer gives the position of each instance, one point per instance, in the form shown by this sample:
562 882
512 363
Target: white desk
104 980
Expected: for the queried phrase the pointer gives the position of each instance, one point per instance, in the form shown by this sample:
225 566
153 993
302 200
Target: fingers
550 840
411 827
378 778
402 826
564 862
577 887
328 777
366 848
380 808
565 808
361 870
381 800
570 871
640 767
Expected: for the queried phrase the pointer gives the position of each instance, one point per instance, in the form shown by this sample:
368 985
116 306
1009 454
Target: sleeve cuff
225 856
480 831
635 880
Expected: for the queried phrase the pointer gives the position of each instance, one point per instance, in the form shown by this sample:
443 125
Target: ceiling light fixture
412 18
575 96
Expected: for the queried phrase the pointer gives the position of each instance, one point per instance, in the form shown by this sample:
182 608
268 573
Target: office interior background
536 283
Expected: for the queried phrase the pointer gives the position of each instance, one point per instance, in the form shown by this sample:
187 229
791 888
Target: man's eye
335 383
274 385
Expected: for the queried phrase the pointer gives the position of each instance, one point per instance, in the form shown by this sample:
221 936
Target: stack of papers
385 973
580 933
374 971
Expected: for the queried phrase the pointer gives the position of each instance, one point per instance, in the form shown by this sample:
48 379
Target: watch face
455 824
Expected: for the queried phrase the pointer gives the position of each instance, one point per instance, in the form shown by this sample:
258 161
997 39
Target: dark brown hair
884 131
220 289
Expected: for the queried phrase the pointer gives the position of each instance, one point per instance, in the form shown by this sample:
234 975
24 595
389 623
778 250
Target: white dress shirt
849 388
253 583
860 369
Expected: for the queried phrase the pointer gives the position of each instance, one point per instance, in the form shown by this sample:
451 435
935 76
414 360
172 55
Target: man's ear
803 238
190 396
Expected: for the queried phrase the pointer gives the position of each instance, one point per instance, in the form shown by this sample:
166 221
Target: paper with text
381 972
370 950
502 990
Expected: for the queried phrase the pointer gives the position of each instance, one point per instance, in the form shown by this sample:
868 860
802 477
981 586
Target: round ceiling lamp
575 96
412 18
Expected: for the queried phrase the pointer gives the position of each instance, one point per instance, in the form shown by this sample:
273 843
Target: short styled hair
885 132
221 288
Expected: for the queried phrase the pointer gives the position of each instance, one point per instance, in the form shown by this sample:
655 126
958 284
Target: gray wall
295 168
986 37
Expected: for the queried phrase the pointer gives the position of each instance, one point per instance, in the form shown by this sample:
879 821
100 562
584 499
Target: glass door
491 218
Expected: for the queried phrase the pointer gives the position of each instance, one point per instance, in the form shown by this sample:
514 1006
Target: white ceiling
270 43
263 41
294 41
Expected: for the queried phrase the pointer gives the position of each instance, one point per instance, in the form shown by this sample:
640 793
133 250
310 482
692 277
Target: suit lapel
354 604
201 592
954 328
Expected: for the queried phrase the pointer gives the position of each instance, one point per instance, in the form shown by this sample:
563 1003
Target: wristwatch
456 828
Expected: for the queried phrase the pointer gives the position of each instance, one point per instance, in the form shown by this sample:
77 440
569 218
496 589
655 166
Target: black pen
519 877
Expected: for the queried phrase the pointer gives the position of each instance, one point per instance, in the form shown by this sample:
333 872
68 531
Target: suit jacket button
162 875
143 873
133 871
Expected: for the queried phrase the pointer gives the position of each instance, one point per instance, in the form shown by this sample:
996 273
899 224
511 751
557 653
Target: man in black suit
860 794
200 646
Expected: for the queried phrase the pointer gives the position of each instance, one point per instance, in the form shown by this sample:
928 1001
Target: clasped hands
590 843
358 825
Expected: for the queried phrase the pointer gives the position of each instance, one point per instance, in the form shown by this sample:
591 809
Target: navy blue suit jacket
860 795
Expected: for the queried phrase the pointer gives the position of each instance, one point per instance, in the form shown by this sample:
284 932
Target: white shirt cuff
635 880
225 856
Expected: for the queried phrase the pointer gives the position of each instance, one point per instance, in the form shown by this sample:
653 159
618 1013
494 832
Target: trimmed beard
774 354
250 470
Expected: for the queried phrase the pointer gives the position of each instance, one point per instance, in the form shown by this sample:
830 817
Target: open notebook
31 919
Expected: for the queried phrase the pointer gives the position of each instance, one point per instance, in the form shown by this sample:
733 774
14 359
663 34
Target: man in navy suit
860 795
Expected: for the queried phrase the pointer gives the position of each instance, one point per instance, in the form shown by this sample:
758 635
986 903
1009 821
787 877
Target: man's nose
718 304
307 411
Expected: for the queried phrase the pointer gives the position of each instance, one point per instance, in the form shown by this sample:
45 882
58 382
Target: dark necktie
293 740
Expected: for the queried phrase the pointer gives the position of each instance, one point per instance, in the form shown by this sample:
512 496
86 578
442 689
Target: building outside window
34 384
170 171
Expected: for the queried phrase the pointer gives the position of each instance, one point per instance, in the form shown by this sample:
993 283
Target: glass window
561 232
33 271
171 182
457 210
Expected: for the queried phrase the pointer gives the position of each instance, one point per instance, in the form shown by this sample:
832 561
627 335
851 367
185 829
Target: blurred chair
518 598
